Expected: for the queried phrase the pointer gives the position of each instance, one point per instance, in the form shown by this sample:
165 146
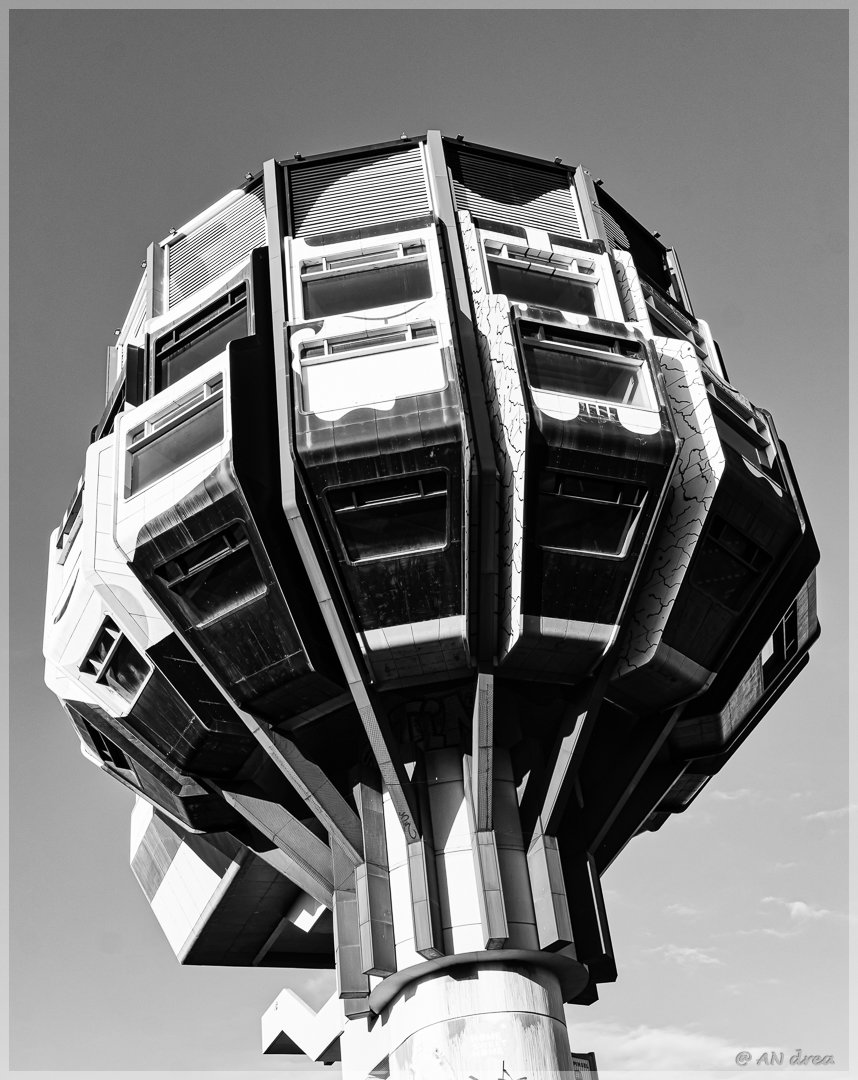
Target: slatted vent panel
349 194
516 193
616 237
214 247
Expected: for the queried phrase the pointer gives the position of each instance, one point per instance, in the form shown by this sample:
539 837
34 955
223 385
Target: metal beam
306 860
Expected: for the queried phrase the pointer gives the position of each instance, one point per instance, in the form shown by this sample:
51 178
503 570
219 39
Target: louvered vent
515 193
616 237
214 247
347 194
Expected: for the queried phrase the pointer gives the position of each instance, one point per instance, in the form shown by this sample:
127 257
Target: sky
726 131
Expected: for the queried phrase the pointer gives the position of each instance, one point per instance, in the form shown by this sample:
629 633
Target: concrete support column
474 1021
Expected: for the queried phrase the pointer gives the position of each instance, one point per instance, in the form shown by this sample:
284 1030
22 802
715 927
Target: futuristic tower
424 555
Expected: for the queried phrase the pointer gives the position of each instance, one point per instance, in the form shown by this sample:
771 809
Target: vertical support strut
372 882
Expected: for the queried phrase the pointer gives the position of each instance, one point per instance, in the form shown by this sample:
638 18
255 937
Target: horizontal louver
616 237
214 247
515 193
348 194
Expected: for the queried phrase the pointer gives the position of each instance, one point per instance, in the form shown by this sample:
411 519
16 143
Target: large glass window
336 284
114 661
201 337
543 279
215 576
177 435
401 515
581 373
590 514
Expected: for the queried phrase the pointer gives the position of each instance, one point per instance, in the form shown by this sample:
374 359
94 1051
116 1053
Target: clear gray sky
724 130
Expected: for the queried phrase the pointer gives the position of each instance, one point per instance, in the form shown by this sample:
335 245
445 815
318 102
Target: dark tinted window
376 286
166 450
108 751
113 660
544 290
200 338
126 670
566 372
586 513
215 576
397 516
729 565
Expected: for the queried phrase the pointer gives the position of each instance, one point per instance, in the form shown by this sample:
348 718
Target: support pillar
476 1021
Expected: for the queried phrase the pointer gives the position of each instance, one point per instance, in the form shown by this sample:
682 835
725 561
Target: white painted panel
182 896
458 888
379 379
141 815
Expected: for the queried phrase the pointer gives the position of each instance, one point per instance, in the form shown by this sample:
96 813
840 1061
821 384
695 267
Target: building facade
424 555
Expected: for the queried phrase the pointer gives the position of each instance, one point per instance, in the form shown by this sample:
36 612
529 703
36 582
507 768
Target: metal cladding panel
516 193
215 246
357 193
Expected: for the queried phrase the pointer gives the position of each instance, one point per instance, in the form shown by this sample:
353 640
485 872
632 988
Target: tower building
423 556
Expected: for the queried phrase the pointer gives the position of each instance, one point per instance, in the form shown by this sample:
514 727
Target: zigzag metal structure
424 555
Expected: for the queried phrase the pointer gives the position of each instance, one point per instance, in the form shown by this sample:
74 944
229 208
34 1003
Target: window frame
730 411
171 583
635 510
751 585
432 549
409 341
362 258
617 360
100 667
551 259
172 415
192 310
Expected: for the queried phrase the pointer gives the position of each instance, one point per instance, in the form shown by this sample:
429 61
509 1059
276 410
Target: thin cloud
829 815
733 796
685 955
799 911
760 931
683 909
622 1050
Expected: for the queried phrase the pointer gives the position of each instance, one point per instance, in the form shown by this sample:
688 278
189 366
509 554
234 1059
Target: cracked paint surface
693 486
508 415
629 287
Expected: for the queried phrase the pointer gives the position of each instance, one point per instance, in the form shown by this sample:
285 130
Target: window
114 662
729 565
593 515
369 340
335 284
355 370
176 435
740 428
201 337
562 366
108 751
545 279
215 576
402 515
72 521
667 321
